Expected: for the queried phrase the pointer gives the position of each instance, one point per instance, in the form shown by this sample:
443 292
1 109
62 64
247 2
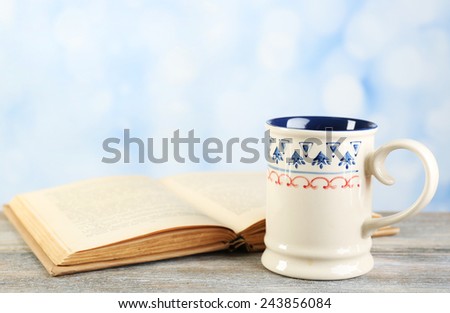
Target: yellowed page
101 211
235 199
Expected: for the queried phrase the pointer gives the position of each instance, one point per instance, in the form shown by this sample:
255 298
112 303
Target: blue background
73 73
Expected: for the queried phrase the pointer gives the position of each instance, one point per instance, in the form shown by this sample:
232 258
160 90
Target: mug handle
375 166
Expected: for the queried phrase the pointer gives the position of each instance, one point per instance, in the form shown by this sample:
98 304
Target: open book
114 221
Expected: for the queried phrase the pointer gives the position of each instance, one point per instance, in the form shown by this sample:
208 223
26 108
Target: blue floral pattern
321 160
277 155
296 159
347 160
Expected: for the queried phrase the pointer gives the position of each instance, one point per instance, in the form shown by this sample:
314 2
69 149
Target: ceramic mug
319 195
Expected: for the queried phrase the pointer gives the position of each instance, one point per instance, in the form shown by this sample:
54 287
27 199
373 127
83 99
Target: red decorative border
310 183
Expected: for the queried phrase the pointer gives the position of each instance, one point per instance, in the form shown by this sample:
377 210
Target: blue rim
322 123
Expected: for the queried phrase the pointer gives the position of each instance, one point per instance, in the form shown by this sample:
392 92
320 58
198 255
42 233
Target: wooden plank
416 260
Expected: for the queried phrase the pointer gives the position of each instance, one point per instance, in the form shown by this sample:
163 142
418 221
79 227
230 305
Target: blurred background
73 73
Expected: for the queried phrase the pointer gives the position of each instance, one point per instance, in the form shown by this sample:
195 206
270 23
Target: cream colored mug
319 195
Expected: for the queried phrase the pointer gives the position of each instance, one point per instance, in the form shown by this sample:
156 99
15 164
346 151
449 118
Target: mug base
307 268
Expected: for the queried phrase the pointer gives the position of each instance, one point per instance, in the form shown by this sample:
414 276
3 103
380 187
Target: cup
319 195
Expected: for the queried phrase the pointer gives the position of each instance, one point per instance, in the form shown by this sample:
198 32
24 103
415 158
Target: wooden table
416 260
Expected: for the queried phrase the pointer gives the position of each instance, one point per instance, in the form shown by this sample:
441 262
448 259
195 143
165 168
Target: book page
102 211
235 199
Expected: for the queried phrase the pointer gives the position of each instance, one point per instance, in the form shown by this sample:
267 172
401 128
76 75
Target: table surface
416 260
